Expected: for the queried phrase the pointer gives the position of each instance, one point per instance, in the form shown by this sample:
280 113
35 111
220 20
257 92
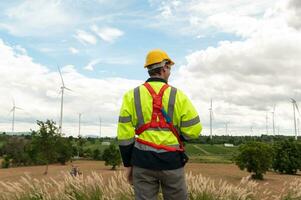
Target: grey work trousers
147 183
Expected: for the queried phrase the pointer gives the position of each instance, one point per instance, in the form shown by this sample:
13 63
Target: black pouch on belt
184 157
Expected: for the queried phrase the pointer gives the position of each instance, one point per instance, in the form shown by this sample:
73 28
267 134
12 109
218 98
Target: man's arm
126 130
190 125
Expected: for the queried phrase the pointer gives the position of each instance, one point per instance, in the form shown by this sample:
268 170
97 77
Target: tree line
46 146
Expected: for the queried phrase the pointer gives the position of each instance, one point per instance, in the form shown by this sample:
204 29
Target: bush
287 157
6 162
256 157
97 154
111 156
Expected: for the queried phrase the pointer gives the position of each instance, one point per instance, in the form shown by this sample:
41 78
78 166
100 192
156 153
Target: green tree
64 150
256 157
6 162
96 154
287 157
46 140
111 156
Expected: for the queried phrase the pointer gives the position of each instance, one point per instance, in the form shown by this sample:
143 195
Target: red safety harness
162 123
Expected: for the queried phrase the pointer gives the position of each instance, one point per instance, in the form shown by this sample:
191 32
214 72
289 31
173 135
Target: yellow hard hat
156 56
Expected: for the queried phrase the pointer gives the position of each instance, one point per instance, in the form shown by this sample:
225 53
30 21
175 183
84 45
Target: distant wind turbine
99 127
226 124
295 107
63 87
79 123
266 123
273 113
211 116
13 110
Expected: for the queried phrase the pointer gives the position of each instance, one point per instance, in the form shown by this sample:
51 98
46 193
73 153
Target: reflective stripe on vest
163 123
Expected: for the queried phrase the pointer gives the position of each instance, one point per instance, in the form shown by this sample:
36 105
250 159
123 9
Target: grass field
273 182
207 153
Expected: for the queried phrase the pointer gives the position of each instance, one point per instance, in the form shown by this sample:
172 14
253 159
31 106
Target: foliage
111 156
256 157
6 162
64 150
287 157
46 140
15 149
97 154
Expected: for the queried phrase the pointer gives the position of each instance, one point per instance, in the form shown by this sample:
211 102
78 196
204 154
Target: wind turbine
266 123
295 107
13 110
79 123
99 127
226 124
273 113
211 116
63 87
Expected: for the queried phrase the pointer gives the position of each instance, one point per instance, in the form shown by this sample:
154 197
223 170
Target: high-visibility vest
137 110
164 121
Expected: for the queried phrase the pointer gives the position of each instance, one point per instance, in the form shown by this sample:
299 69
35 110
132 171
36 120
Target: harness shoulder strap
162 123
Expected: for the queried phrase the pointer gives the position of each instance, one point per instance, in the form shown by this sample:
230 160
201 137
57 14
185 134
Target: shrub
256 157
97 154
287 157
111 156
6 162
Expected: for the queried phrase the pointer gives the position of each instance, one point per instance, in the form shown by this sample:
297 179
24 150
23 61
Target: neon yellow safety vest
137 110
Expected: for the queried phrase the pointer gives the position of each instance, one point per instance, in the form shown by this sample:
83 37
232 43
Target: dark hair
156 71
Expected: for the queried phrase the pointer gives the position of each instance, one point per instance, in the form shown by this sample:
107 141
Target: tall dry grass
93 187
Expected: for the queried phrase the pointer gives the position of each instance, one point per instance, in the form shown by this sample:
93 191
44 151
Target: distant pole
99 127
251 129
211 120
227 128
79 123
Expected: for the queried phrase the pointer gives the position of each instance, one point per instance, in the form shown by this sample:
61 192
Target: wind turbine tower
63 87
99 127
226 124
211 112
266 123
295 107
273 113
13 110
79 123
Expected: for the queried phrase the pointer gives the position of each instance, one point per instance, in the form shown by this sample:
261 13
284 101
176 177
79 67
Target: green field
207 153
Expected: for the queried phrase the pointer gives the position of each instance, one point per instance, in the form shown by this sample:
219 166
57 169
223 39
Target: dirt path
203 150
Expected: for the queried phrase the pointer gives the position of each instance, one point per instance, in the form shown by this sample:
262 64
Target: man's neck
159 76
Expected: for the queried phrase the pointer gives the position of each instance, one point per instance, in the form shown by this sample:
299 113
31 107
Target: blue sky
228 51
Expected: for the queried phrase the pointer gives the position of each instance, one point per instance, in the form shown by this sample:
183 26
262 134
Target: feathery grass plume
94 187
202 188
291 191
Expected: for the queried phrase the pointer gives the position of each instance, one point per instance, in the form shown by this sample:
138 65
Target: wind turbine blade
67 88
61 76
293 100
18 108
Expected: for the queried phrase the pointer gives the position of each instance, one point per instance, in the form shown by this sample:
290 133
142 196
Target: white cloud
107 34
246 78
37 18
85 37
73 50
90 66
35 88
